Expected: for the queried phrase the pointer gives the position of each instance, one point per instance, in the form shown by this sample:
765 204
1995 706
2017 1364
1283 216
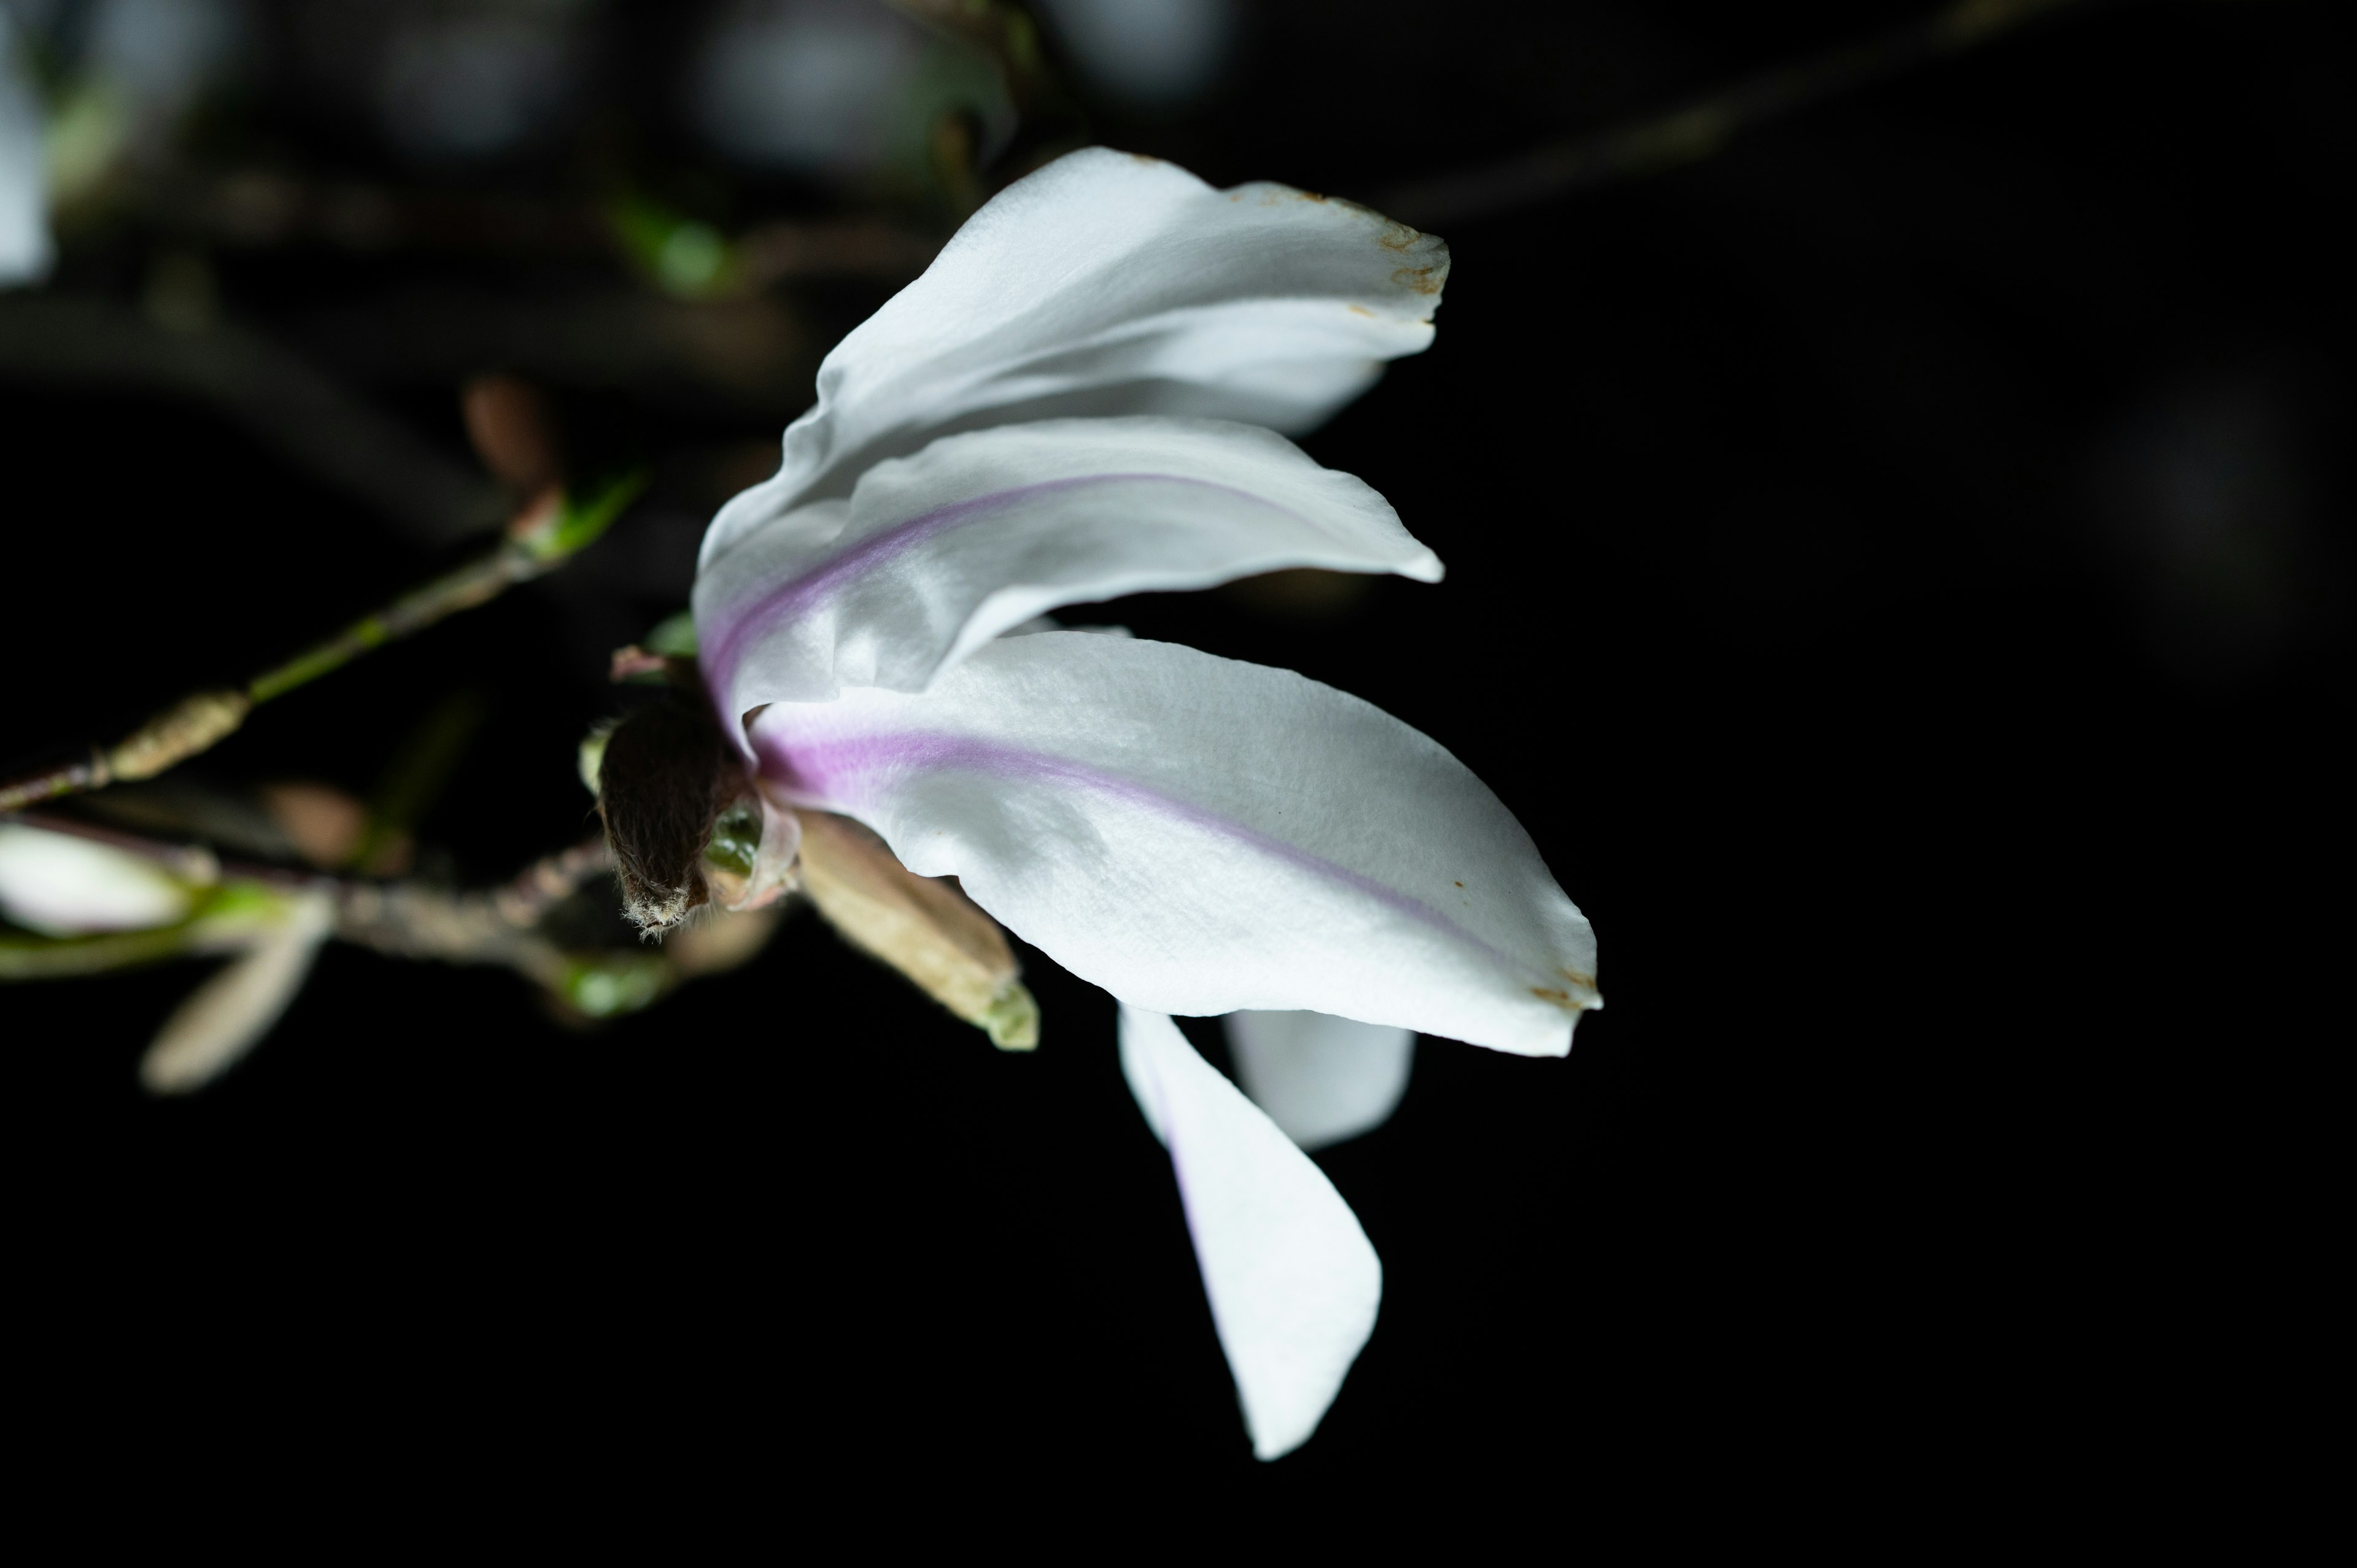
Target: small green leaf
581 521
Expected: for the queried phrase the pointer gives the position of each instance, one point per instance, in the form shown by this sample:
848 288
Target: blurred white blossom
1148 54
25 249
838 89
162 55
477 80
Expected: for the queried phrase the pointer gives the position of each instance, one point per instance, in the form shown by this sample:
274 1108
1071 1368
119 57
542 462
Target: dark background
1897 571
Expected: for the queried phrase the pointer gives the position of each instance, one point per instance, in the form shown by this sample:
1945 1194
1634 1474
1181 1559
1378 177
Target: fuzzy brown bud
665 776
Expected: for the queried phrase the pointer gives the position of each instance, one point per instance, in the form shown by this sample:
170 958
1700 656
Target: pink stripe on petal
726 644
838 773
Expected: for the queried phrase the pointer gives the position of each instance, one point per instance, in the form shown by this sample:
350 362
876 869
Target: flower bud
191 725
224 1018
509 423
665 774
921 926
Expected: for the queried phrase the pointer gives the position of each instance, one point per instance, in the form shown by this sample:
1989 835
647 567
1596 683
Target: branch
253 209
405 920
1701 127
402 919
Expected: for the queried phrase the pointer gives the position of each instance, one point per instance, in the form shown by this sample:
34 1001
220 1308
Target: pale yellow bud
921 926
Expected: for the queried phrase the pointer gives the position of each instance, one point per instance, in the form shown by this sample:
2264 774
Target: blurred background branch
587 966
94 344
1700 127
262 209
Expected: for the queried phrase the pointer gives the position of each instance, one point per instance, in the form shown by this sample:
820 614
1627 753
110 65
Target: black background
1823 593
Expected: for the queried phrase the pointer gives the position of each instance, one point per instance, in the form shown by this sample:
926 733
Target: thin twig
409 919
258 208
1702 127
543 537
402 919
72 958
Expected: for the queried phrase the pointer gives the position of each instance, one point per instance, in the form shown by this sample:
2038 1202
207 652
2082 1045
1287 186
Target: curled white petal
1293 1282
226 1016
1200 835
979 533
61 885
1320 1077
1107 283
25 249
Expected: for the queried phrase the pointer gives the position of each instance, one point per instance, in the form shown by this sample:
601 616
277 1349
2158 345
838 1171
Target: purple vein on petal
740 623
831 771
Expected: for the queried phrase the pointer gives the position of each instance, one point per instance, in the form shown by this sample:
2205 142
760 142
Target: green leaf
580 522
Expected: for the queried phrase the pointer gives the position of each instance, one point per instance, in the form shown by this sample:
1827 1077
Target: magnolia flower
1081 399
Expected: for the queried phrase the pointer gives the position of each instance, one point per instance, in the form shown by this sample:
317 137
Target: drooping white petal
226 1016
61 885
1293 1282
1107 283
1199 836
979 533
25 250
1320 1077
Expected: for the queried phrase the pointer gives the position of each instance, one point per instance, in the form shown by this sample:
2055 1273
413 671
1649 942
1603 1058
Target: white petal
1199 836
1142 1089
226 1016
979 533
1107 283
25 250
61 885
1293 1282
1320 1077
